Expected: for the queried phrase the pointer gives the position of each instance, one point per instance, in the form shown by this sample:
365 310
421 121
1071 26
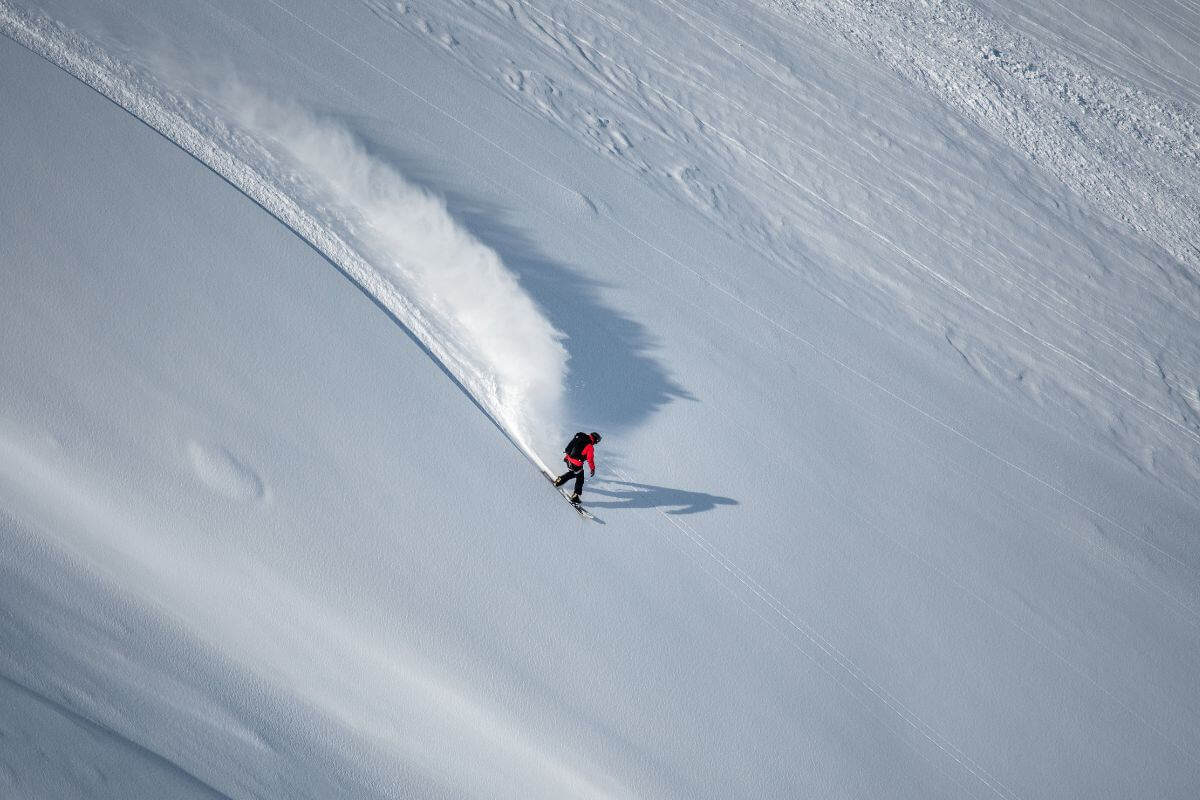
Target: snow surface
888 313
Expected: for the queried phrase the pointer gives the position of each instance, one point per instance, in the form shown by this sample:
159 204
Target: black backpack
575 447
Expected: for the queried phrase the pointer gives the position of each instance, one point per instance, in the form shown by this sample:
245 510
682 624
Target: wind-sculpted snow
397 241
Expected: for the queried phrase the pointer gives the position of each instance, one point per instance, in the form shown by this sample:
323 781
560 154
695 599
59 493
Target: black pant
575 471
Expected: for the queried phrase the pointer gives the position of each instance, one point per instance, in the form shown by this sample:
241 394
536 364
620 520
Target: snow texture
888 312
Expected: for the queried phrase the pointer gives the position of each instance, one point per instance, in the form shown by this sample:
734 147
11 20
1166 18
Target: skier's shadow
644 495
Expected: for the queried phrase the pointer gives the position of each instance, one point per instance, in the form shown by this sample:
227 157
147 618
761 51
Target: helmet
595 436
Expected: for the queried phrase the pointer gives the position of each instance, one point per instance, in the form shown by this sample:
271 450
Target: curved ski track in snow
396 241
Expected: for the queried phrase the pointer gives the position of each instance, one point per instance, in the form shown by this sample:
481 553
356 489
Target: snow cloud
450 289
396 240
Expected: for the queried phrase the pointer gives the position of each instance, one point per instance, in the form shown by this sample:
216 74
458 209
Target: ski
583 512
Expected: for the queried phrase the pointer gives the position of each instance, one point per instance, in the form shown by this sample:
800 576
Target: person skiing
581 448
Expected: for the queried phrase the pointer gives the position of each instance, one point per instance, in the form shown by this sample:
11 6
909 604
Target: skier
581 448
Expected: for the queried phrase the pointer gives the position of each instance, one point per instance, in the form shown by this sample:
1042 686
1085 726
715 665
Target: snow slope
887 312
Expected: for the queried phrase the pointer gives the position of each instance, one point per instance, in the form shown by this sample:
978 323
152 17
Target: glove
593 473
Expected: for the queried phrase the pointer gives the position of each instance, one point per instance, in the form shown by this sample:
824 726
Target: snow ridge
395 240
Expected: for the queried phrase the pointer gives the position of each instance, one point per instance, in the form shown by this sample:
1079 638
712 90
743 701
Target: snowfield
889 314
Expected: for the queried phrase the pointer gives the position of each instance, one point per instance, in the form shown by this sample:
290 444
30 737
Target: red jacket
589 453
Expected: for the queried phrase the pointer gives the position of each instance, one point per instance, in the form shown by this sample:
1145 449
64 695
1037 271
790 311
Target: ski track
1106 39
1131 277
930 47
1139 355
472 324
